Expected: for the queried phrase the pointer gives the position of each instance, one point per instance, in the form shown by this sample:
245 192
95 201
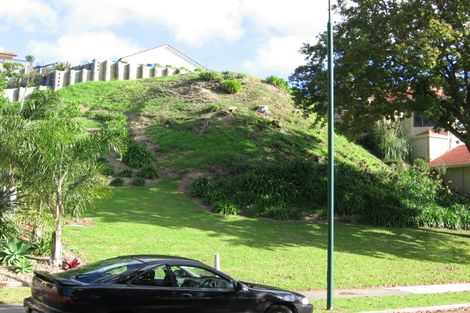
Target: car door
199 289
152 291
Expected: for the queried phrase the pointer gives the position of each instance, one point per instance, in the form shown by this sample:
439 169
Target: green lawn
353 305
14 295
283 253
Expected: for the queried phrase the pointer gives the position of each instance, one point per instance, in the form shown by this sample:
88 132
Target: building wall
95 71
420 148
429 145
459 179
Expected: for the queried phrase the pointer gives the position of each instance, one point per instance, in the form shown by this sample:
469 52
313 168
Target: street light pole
331 164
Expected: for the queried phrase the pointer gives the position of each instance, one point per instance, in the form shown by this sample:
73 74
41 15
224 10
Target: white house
162 55
440 148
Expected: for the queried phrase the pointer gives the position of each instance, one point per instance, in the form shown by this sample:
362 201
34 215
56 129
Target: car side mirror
240 287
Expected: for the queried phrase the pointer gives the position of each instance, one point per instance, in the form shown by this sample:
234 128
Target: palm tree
54 159
66 169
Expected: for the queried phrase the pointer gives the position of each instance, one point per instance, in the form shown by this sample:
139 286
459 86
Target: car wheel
278 309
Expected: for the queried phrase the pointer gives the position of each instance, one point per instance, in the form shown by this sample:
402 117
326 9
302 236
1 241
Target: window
421 121
158 277
197 277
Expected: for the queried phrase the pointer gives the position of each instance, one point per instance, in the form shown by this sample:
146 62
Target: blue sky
260 37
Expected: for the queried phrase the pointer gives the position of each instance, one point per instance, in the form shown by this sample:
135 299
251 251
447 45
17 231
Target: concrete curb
5 284
389 291
438 308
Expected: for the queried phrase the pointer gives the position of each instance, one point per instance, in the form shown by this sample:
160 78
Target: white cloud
278 56
192 22
300 17
83 46
284 27
29 15
86 26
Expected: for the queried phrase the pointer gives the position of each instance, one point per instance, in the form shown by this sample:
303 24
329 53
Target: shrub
23 266
12 251
137 155
386 141
226 208
138 182
106 168
117 182
148 172
232 75
199 187
407 196
108 116
231 86
277 82
209 76
42 246
125 173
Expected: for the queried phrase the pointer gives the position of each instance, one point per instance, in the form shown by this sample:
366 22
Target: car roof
152 258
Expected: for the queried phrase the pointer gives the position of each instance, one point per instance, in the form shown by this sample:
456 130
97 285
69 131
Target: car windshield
103 269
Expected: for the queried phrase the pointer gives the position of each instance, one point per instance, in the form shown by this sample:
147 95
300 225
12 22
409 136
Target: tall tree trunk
57 235
56 257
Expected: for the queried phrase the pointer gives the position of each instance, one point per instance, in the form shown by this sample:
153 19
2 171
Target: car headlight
304 301
292 298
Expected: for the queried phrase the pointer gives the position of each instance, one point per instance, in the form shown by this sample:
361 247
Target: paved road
11 309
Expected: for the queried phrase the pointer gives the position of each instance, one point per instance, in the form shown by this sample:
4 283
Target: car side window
158 276
197 277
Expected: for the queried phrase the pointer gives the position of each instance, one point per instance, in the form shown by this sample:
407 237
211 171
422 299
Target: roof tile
455 157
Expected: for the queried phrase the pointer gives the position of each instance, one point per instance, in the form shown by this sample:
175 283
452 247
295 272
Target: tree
54 158
30 59
391 57
66 169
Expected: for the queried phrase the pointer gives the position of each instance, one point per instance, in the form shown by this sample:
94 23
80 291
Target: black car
155 283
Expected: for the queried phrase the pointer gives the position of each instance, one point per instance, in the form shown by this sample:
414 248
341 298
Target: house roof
172 49
433 132
7 55
459 156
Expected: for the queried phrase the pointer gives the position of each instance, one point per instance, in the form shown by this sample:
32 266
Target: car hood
274 290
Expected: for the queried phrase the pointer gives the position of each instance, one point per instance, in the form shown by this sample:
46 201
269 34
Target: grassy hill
175 110
271 165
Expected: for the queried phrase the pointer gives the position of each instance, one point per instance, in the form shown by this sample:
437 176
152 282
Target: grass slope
287 254
176 108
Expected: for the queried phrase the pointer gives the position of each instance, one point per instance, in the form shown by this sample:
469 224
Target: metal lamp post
331 163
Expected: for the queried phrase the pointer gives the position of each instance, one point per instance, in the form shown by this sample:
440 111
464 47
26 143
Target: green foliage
209 75
107 116
23 266
231 86
62 66
125 173
117 182
412 196
166 214
278 82
386 141
8 229
42 246
106 168
199 186
138 182
137 155
12 251
390 57
47 104
148 172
